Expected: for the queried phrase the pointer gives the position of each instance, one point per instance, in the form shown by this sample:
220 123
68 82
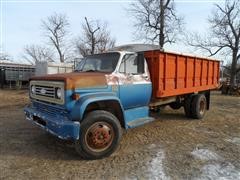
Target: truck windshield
105 62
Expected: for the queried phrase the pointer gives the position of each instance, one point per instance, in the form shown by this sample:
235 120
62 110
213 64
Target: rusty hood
77 80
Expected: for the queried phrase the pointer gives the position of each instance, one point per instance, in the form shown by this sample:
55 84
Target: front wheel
100 135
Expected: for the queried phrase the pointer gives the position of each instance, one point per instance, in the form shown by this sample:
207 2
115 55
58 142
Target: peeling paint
120 79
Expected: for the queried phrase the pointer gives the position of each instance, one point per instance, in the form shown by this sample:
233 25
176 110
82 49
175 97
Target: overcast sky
21 20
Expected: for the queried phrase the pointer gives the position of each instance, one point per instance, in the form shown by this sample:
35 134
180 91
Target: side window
132 64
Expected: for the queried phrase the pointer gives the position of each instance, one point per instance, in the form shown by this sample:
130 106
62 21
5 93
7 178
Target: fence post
2 77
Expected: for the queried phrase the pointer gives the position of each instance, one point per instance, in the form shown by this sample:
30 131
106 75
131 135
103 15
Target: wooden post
176 77
213 64
165 70
201 74
186 72
195 70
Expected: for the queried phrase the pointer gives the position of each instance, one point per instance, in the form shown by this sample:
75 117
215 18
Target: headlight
59 93
33 89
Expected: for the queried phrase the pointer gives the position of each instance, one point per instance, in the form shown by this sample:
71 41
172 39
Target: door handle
129 75
145 76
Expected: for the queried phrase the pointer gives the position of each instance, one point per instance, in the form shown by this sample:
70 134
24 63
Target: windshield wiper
91 70
77 70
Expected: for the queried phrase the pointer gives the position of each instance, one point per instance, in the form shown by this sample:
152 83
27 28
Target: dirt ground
172 147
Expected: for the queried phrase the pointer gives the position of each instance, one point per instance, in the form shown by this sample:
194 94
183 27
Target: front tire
100 135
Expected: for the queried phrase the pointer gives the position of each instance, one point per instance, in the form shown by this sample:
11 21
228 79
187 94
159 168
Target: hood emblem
43 91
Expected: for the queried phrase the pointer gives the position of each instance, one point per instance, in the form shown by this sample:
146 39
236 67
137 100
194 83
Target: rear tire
199 106
100 135
175 105
156 109
188 106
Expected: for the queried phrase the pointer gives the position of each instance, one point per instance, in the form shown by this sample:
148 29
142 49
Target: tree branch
56 30
156 18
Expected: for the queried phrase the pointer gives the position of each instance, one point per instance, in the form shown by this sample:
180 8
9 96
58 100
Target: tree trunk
93 44
161 33
61 56
233 69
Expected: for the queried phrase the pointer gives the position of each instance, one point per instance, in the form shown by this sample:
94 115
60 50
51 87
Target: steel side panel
185 91
176 74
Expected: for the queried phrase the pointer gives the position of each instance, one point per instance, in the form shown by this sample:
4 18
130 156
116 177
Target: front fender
81 105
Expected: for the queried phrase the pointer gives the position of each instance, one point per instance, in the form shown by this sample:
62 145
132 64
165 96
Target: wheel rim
202 106
99 136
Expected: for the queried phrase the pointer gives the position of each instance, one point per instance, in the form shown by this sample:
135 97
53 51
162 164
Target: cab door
135 87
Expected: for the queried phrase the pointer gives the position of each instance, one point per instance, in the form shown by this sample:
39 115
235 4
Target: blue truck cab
107 92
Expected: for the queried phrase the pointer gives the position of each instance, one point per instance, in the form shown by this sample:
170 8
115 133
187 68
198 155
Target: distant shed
43 68
13 74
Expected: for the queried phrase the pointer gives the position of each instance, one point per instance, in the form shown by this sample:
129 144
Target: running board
139 122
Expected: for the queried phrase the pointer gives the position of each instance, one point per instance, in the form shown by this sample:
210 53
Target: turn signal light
75 96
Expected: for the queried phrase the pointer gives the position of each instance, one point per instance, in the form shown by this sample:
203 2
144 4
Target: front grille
46 91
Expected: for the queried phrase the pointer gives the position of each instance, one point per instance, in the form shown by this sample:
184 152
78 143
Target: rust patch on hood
76 80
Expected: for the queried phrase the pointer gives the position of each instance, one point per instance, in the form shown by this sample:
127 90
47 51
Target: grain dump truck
115 90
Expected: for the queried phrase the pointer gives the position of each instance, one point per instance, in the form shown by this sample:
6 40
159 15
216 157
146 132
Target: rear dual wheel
188 106
195 106
100 135
175 105
199 106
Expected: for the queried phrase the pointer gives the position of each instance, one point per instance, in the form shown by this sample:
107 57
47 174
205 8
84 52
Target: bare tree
224 35
36 53
95 38
4 56
56 27
156 21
